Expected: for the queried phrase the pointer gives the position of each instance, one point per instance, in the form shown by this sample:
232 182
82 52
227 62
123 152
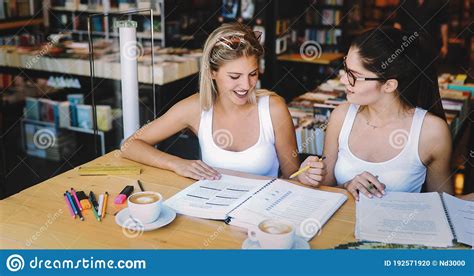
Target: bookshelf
72 16
308 44
19 16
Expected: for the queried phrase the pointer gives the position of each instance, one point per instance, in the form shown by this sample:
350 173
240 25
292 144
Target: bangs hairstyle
227 43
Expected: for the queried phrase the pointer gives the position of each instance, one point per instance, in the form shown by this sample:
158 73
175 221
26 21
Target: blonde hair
218 50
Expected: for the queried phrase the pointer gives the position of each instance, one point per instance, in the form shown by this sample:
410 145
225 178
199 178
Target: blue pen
76 207
72 203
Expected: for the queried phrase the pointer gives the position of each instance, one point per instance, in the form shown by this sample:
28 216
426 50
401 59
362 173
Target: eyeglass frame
350 75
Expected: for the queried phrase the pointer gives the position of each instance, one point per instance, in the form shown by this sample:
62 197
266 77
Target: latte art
272 227
144 198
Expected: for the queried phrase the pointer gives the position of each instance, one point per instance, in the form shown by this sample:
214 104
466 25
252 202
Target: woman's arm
331 142
435 149
285 140
140 146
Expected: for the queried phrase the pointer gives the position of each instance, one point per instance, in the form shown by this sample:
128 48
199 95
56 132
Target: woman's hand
367 184
195 169
316 172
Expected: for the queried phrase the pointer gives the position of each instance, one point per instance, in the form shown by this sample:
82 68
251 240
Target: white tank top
403 173
259 159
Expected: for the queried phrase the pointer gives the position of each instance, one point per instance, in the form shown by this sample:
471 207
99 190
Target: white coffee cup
145 207
273 234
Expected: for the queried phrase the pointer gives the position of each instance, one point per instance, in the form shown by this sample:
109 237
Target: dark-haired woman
392 134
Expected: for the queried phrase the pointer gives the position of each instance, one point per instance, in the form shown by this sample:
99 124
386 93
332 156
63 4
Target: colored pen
69 206
106 197
93 200
76 208
140 185
305 168
70 202
101 203
93 210
73 192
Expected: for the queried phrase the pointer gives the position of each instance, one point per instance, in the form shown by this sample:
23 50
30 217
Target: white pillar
129 51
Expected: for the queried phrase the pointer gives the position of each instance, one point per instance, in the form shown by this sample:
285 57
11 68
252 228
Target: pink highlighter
124 194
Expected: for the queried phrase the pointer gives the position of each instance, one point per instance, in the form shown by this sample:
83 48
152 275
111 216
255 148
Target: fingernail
379 195
370 196
383 191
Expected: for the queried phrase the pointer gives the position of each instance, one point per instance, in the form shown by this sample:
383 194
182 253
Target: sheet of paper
306 209
213 199
403 218
461 214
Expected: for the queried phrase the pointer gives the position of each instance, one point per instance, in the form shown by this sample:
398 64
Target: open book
246 202
429 219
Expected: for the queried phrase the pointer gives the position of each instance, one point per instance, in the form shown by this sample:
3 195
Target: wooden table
38 217
324 59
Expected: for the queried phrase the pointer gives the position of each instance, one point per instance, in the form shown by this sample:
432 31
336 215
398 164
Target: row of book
331 2
19 8
48 142
322 36
329 17
21 39
6 80
456 107
310 113
70 113
106 5
73 23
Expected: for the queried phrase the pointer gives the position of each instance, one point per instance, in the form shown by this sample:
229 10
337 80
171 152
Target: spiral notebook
245 202
429 219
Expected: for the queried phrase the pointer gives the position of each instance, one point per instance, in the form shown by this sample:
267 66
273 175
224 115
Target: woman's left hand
315 174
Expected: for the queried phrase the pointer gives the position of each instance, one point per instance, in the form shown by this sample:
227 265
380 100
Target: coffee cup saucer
299 243
124 220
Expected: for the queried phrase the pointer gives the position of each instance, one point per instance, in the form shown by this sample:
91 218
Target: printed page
213 199
306 209
403 218
461 214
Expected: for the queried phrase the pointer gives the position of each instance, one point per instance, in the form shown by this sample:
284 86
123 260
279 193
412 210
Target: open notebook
245 202
429 219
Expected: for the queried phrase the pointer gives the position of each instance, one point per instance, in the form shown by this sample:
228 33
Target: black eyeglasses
352 79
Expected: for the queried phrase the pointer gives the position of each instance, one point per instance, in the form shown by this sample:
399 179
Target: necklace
370 125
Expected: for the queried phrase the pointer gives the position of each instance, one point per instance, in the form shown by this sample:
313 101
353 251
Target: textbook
428 219
246 202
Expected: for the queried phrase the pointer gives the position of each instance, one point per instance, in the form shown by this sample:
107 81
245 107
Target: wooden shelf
20 23
98 9
324 59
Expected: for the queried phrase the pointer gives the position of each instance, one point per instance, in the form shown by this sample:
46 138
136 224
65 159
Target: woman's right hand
367 184
195 169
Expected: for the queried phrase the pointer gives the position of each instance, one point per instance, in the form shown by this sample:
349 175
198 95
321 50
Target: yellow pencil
300 171
104 206
305 168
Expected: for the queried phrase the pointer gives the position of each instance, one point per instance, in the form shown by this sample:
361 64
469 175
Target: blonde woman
239 128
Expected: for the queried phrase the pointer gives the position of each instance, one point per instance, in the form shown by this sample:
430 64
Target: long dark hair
407 57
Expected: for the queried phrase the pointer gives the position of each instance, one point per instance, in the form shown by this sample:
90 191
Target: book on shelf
104 117
3 14
323 36
49 111
246 202
429 219
84 116
74 100
310 137
32 109
64 115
